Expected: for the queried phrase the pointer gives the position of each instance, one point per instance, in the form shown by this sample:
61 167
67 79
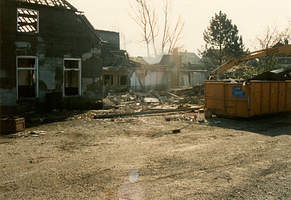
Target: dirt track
92 159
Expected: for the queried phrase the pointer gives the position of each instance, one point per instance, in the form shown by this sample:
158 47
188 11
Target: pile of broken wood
136 103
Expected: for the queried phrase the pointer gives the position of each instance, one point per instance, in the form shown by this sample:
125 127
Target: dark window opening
26 78
71 77
107 79
123 80
27 21
71 64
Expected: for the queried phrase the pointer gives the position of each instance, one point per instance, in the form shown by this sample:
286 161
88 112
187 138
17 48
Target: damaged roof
53 3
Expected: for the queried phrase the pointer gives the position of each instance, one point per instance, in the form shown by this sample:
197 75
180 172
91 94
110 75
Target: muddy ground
78 157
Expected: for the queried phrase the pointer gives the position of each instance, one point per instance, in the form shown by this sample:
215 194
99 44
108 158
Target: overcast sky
250 16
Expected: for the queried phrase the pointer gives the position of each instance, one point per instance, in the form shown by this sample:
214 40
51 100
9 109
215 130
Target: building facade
50 57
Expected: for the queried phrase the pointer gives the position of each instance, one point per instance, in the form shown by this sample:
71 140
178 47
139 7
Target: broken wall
164 79
191 77
61 35
116 80
143 79
197 78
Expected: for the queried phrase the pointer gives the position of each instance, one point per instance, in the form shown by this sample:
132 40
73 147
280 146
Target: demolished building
121 73
117 67
170 72
50 57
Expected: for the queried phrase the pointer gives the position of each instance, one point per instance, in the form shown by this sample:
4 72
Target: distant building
190 58
170 72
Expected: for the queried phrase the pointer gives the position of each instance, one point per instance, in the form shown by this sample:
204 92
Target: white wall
153 80
158 80
197 78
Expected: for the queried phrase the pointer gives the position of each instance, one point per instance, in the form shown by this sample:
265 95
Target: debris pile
155 100
37 133
181 100
181 118
276 75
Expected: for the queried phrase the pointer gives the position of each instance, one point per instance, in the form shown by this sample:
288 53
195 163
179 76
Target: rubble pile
276 75
189 118
151 102
154 100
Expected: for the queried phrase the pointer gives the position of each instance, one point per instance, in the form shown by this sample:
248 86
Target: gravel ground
141 158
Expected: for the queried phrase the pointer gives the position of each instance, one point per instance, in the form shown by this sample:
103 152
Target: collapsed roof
53 3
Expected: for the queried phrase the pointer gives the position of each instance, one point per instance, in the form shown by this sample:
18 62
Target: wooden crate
12 125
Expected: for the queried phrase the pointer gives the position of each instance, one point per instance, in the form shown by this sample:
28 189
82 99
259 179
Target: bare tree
175 35
151 14
271 37
166 33
141 19
145 16
171 35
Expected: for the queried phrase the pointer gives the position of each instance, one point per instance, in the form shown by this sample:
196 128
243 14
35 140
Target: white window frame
37 26
79 76
111 79
36 74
